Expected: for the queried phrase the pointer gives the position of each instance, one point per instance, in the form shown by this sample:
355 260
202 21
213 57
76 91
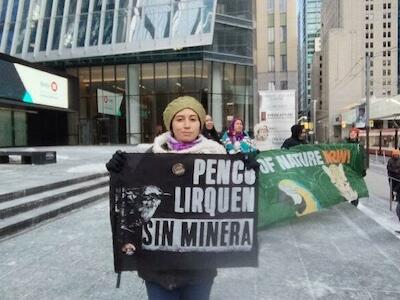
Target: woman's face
262 134
209 122
186 126
238 126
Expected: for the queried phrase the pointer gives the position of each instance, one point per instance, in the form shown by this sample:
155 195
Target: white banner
42 87
108 103
278 111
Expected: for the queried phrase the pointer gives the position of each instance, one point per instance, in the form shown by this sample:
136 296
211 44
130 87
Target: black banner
184 211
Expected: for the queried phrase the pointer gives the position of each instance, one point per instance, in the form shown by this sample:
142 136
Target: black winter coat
211 134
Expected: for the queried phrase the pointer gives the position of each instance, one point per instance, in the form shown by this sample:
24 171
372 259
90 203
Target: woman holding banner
236 140
184 117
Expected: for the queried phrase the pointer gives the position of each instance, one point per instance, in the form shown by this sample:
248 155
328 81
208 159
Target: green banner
308 178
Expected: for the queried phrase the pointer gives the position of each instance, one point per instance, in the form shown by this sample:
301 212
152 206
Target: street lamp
367 87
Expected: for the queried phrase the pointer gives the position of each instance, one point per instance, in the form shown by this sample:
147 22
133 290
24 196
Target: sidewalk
337 253
72 162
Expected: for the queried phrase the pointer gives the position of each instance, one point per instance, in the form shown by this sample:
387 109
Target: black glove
117 162
250 162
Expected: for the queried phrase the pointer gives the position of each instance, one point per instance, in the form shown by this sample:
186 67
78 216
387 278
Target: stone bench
30 157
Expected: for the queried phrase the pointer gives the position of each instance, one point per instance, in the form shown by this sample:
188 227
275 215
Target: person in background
184 117
393 171
297 138
209 130
353 135
261 136
236 140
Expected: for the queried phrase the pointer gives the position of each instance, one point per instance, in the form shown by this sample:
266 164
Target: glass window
161 78
283 63
20 128
108 22
240 80
232 40
57 25
46 24
271 63
109 78
33 23
270 20
284 85
69 31
283 34
6 128
147 78
236 8
283 19
22 28
3 10
282 5
82 24
271 34
11 27
270 6
271 49
188 81
94 30
174 78
283 49
122 22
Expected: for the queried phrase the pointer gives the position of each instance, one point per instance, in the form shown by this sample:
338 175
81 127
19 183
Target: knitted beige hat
179 104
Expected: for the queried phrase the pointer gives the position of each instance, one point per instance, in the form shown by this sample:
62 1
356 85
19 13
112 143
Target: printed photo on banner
360 116
184 212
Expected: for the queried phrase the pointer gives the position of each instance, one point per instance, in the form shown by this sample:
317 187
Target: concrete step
24 220
48 187
23 204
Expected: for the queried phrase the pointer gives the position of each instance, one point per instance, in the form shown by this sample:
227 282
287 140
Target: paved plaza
338 253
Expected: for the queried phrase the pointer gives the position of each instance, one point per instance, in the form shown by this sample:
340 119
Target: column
217 105
133 106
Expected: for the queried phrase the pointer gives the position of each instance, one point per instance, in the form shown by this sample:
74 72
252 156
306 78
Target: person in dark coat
393 170
184 117
297 138
209 130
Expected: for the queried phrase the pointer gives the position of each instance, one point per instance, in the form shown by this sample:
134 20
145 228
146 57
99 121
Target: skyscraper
309 12
137 55
276 45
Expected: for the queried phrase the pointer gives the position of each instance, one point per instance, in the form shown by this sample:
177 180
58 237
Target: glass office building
309 25
132 57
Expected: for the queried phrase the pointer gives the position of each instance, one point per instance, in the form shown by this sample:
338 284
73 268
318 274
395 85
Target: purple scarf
173 144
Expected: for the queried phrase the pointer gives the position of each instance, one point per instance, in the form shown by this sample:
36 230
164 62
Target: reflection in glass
122 24
238 8
94 30
232 40
20 129
174 77
147 79
45 28
69 31
57 25
34 23
108 26
188 79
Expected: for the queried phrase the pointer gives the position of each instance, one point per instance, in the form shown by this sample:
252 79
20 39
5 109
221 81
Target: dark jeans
398 208
200 291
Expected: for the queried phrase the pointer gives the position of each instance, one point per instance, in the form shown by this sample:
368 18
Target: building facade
276 45
368 29
131 58
308 15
